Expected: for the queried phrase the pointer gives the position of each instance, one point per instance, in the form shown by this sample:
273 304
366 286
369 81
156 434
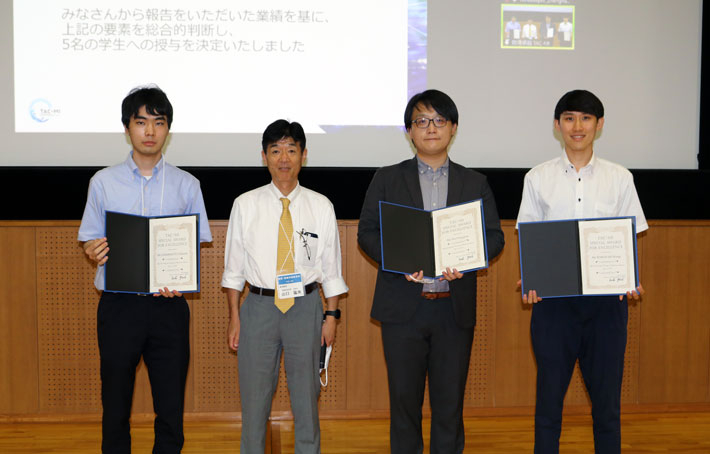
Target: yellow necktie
284 253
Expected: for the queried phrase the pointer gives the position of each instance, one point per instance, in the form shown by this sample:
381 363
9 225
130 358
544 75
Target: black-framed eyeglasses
423 122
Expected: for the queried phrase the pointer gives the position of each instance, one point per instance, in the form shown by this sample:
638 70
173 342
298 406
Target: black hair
153 98
434 99
281 129
579 101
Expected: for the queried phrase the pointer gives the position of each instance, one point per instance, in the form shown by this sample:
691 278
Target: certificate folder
149 253
578 257
413 239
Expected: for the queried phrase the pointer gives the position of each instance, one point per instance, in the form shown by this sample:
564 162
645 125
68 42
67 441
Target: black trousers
593 330
130 326
432 344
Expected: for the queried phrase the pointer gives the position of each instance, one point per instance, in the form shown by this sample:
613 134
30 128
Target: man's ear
263 157
556 124
600 124
304 154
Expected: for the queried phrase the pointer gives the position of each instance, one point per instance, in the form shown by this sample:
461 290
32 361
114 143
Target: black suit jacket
396 299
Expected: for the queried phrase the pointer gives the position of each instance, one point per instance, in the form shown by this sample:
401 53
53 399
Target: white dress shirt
530 31
555 190
565 27
252 237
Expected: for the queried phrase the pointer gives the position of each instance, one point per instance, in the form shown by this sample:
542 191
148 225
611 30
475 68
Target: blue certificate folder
128 268
551 259
407 239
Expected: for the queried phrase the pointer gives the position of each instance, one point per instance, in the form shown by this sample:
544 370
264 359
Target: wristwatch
335 313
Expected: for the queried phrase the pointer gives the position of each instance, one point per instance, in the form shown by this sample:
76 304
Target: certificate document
150 253
173 250
458 237
607 256
578 257
413 239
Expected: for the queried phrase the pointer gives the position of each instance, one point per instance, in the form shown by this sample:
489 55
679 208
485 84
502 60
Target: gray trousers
265 331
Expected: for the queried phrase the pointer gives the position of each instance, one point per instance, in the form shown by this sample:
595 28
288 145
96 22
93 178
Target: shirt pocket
306 246
605 209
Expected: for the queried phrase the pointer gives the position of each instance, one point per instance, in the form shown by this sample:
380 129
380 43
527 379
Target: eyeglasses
423 122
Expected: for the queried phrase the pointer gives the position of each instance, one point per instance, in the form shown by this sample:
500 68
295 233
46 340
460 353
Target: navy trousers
130 326
593 330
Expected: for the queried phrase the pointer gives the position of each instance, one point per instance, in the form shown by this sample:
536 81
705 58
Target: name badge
289 285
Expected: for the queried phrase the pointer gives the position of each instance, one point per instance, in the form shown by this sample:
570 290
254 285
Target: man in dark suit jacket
427 325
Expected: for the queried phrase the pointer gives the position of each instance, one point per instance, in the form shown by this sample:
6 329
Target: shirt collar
566 165
136 171
423 167
291 196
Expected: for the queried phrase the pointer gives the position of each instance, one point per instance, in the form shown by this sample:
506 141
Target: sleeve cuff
334 287
233 282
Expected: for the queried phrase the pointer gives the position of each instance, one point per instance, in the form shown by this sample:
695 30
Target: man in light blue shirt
510 26
129 325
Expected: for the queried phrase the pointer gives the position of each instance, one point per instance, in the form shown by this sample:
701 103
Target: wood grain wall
49 357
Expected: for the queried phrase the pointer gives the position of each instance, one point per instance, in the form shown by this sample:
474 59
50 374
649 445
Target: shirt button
579 200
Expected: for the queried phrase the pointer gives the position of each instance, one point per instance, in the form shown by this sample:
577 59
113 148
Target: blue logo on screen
41 110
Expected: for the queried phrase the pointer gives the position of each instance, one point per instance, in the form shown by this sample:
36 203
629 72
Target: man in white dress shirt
576 185
530 30
565 31
283 310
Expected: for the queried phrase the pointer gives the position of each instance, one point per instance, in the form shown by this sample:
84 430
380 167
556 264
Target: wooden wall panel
334 395
514 365
675 323
214 365
51 306
66 320
366 374
480 384
19 382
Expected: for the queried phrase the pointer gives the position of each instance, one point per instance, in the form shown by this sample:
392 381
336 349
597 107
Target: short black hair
434 99
281 129
154 99
579 101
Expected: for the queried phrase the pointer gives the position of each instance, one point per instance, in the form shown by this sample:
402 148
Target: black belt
271 292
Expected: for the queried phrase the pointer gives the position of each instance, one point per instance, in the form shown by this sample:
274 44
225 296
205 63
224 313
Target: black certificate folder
413 239
149 253
578 257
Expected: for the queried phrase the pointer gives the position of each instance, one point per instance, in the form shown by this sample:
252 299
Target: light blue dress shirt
169 191
435 190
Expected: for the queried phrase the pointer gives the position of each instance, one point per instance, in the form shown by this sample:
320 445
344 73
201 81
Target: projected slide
537 26
228 66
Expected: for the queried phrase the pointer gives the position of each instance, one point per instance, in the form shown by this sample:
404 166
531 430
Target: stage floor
641 433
